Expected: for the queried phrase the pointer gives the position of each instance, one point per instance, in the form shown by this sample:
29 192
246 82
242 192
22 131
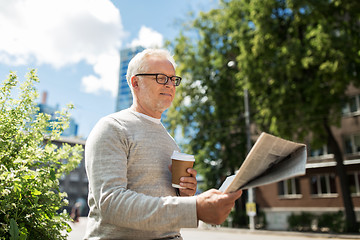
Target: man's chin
162 107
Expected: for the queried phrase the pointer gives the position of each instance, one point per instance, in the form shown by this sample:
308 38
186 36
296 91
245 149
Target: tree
31 165
301 58
209 106
296 58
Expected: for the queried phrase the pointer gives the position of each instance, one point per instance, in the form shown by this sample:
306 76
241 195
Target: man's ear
134 82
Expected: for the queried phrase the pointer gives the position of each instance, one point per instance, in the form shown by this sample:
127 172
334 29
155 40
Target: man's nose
170 82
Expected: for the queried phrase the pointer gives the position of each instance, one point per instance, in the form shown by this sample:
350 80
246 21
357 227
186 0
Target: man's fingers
188 185
186 192
234 195
192 171
188 180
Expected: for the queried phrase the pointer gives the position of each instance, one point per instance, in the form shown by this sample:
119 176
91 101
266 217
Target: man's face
153 98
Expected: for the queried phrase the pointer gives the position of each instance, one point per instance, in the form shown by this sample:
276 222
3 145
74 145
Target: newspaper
270 160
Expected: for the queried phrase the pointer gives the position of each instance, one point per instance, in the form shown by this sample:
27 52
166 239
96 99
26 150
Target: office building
75 184
124 97
71 131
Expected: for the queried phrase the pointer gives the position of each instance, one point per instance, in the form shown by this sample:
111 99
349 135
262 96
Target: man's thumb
235 195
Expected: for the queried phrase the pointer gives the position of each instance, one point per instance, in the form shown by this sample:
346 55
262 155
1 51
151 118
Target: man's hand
213 206
189 183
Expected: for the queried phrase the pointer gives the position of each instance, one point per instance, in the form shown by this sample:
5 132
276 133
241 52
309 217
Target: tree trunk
351 224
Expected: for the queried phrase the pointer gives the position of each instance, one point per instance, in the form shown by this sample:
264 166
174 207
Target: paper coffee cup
180 163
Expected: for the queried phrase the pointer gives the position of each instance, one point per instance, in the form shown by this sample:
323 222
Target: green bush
326 222
31 165
301 222
240 219
260 220
333 222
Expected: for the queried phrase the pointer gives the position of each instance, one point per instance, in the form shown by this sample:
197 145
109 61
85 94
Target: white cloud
63 32
107 68
148 38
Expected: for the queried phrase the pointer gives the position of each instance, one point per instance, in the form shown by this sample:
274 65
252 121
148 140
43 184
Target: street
213 233
245 234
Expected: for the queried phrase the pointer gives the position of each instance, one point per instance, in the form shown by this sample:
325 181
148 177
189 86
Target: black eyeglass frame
175 81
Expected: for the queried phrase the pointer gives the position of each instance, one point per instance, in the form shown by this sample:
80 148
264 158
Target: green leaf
52 175
14 230
36 192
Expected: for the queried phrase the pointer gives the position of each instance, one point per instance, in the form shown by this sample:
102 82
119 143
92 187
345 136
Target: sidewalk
283 233
78 229
205 230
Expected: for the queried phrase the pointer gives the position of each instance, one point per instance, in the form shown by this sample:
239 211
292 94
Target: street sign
251 209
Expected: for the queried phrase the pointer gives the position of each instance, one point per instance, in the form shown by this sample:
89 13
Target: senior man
127 156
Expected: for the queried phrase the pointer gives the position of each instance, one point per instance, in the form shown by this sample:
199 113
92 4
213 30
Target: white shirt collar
155 120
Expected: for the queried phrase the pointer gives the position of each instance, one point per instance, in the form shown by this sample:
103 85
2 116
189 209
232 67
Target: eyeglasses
162 78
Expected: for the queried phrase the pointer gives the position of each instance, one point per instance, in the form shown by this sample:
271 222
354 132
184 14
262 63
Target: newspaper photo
270 160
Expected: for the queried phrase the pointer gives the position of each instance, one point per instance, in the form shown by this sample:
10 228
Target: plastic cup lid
182 156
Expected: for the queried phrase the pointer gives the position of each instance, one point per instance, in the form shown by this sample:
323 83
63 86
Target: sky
74 45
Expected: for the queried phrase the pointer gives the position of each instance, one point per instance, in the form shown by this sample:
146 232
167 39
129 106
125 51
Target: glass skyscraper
71 131
124 97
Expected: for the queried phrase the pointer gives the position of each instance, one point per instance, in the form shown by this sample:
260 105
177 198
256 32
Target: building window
352 143
323 185
352 107
354 183
289 188
324 151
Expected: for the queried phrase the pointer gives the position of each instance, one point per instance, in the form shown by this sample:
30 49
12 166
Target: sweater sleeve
106 164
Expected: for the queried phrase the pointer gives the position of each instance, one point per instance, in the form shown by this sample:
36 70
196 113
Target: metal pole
232 64
248 146
247 120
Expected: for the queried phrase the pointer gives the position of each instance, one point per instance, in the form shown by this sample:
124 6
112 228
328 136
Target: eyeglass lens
162 79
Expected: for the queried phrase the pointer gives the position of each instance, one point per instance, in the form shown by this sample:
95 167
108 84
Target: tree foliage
298 62
31 164
209 103
296 58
